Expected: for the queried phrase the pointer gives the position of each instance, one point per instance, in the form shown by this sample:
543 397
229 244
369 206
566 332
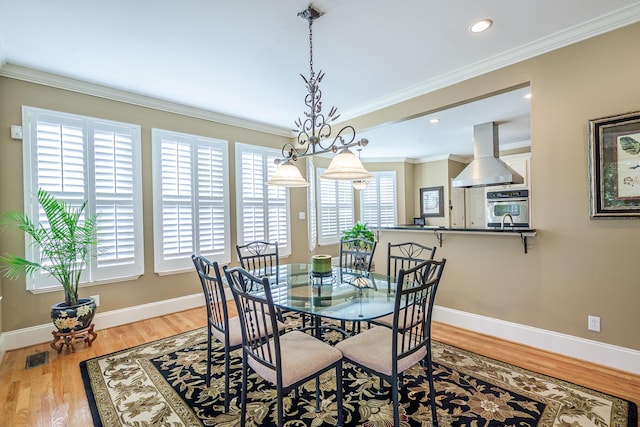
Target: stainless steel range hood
486 169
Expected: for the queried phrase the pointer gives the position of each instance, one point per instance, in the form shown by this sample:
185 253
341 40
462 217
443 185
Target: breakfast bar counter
523 233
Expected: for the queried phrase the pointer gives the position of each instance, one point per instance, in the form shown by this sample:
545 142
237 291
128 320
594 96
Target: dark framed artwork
431 201
614 166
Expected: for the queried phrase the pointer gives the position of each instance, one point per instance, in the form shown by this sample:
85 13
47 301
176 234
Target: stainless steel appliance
508 208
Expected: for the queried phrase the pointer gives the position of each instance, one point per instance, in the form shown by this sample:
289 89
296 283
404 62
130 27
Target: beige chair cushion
302 356
388 320
372 349
235 331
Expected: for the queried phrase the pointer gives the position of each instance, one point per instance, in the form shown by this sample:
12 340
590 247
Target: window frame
94 274
182 262
379 203
268 156
326 238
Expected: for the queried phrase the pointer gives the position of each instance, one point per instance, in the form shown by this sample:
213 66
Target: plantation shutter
117 200
77 158
191 203
311 208
378 201
335 206
263 210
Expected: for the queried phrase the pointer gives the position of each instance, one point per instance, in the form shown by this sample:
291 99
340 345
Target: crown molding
566 37
86 88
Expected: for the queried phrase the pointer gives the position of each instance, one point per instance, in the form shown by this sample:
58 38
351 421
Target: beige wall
432 174
22 309
575 266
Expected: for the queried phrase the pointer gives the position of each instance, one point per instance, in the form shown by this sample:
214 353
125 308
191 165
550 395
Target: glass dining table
343 294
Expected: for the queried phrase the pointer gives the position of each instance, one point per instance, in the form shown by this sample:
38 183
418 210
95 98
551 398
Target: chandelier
314 133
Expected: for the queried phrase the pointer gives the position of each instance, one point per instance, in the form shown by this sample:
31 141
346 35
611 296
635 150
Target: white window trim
30 178
284 250
325 239
377 176
181 264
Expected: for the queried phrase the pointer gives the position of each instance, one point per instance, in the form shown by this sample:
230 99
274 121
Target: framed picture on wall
431 202
614 166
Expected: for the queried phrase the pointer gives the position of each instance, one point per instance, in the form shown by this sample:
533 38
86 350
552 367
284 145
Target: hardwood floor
53 394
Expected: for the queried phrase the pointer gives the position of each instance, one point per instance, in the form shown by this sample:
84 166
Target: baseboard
616 357
42 333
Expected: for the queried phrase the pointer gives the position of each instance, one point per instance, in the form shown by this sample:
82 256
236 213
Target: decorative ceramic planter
73 318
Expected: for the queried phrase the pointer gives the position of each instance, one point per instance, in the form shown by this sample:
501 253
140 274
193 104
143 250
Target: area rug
162 383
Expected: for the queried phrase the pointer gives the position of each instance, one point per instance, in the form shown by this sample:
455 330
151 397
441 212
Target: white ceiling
242 58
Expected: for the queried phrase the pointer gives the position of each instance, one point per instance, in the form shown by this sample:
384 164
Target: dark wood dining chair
288 360
388 352
220 326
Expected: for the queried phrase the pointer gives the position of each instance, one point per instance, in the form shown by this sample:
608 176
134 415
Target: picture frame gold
614 166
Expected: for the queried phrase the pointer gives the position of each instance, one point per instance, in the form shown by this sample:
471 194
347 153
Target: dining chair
220 326
259 255
357 253
388 352
288 360
403 256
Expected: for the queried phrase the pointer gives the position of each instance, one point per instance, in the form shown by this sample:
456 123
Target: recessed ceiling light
434 120
481 26
528 96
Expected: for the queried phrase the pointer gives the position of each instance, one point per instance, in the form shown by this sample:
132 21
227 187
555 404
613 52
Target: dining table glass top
343 294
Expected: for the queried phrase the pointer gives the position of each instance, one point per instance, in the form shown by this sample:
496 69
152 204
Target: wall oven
508 208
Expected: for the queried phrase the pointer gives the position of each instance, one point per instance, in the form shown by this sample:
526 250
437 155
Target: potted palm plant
64 244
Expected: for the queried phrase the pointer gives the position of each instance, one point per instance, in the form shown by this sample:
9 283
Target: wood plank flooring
53 394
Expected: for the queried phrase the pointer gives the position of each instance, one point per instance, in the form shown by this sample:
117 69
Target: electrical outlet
96 299
594 323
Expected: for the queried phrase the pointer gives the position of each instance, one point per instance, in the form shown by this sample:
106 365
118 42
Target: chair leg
243 412
227 356
432 391
280 409
317 394
395 402
339 393
208 377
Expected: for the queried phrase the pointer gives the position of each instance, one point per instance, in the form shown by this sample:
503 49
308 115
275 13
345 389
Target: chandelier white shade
360 184
287 175
315 132
346 166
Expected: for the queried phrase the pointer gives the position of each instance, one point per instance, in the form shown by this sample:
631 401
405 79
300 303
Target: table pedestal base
71 338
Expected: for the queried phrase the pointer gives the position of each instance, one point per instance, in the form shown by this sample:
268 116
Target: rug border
86 378
632 413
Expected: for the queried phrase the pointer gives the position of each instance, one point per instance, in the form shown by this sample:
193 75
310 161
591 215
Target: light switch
300 215
16 132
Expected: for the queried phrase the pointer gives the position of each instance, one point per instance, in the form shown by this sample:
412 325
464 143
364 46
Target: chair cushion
302 356
235 331
402 324
372 349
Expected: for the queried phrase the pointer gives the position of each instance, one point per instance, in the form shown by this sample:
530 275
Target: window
335 209
262 210
77 158
378 200
190 200
311 205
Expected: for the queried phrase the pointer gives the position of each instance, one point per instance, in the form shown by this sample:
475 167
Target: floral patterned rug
162 384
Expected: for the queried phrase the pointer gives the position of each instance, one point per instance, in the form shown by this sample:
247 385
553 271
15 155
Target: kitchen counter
524 233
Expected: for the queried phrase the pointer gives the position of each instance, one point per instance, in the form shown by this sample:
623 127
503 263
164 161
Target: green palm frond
64 243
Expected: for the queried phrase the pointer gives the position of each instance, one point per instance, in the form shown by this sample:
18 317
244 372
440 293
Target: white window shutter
335 206
378 201
77 158
311 207
263 210
191 202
